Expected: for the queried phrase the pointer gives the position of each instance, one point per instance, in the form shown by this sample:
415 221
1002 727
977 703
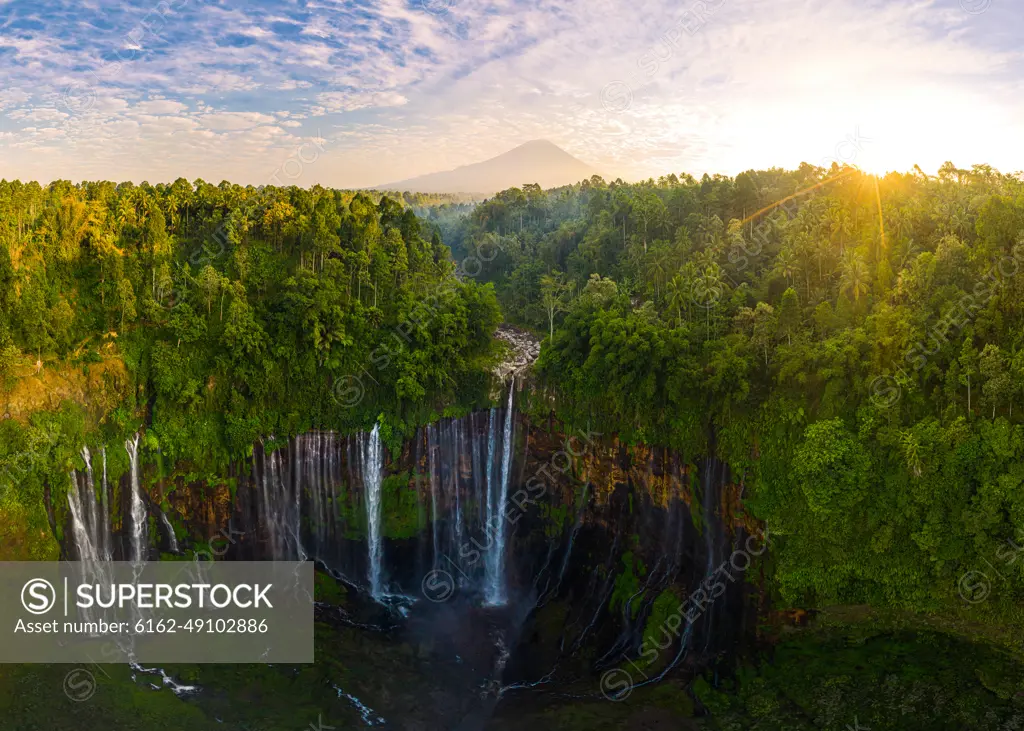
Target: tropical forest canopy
851 346
238 313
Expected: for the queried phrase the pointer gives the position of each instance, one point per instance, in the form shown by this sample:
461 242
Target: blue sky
368 92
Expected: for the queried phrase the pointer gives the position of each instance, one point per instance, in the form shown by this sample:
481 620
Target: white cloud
37 114
291 84
343 101
159 106
762 82
221 121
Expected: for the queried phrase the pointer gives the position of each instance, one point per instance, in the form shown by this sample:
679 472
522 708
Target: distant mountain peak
536 161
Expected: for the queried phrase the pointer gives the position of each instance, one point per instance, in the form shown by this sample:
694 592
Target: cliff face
98 387
601 547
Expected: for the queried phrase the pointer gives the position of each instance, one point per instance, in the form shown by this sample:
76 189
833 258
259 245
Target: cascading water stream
138 508
456 472
496 594
710 497
307 493
106 546
435 479
90 528
372 468
172 539
84 541
490 500
90 522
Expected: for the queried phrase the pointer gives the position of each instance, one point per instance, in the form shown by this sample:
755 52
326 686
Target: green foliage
657 632
864 386
627 585
400 508
902 682
832 468
241 312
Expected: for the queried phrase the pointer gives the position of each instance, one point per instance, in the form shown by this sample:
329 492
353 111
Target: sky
349 93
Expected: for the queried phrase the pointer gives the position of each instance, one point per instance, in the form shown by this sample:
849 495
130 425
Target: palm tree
907 252
901 222
656 267
823 253
840 224
708 289
677 297
855 275
73 221
705 228
786 263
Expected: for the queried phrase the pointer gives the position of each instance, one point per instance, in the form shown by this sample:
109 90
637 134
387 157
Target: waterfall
454 473
435 478
84 539
171 538
91 517
139 544
90 527
496 594
310 455
712 478
488 466
106 545
281 481
372 468
710 497
580 510
479 488
272 485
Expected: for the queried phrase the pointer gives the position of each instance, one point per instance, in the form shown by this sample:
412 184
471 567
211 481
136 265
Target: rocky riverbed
524 350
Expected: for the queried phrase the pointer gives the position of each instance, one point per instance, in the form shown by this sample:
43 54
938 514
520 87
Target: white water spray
496 594
139 543
372 468
171 538
87 550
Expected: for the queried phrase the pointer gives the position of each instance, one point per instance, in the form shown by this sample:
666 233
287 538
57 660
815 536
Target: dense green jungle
827 359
